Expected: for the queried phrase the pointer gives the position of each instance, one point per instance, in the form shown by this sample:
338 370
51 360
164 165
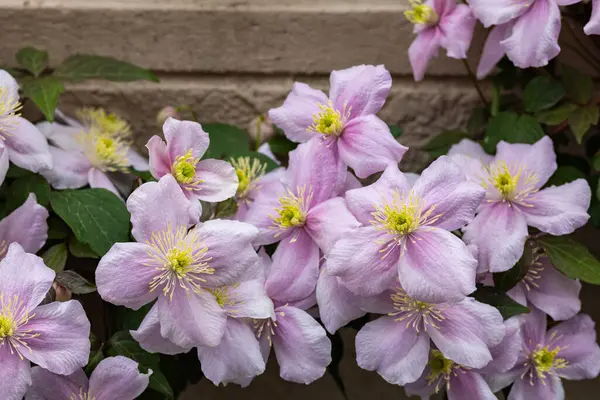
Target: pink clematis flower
406 233
179 267
113 378
54 336
305 216
438 23
397 345
593 26
26 226
209 180
514 199
568 350
22 142
346 120
88 152
526 31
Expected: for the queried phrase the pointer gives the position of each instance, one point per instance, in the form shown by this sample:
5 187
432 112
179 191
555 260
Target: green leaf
34 60
572 258
56 257
500 300
281 144
126 319
508 279
97 217
565 174
75 282
581 119
145 176
440 144
542 93
225 141
477 121
596 162
226 208
159 383
20 189
17 172
557 115
80 250
80 67
395 130
511 128
57 229
578 86
95 358
44 92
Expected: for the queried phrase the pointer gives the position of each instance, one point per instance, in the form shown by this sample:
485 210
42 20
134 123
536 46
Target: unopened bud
261 129
62 293
165 113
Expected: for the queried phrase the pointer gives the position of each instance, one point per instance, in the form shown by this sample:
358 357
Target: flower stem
475 83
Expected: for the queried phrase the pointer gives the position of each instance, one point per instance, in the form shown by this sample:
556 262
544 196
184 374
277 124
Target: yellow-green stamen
184 169
105 152
421 14
108 123
514 182
248 173
329 121
292 210
545 361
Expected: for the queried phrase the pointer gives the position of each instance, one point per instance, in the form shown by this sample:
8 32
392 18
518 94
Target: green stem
259 122
475 83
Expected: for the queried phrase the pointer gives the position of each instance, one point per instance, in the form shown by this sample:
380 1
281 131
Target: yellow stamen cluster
225 296
7 325
421 14
81 396
329 121
293 208
248 173
9 107
11 322
513 182
105 152
179 260
545 361
184 169
441 370
417 314
109 124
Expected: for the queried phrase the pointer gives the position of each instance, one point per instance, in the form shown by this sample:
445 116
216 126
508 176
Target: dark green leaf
159 383
17 172
395 130
477 121
440 144
126 319
226 208
565 174
225 140
594 212
511 128
34 60
146 176
79 67
596 162
281 145
20 189
97 217
56 257
80 250
95 358
57 229
542 93
581 119
557 115
44 92
498 299
75 282
578 86
572 258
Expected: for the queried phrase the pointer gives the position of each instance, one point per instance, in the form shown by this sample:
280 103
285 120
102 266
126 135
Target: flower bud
62 293
261 129
166 112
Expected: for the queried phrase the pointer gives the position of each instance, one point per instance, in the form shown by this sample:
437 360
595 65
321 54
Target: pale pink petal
472 160
469 385
236 358
458 27
555 294
295 116
48 386
493 51
535 389
396 351
62 136
27 147
444 190
159 159
26 225
328 221
15 373
593 26
99 179
534 37
352 182
182 136
250 300
137 161
533 329
118 378
4 163
262 213
295 269
218 180
9 88
472 149
124 274
360 90
538 158
367 146
157 207
559 210
61 344
506 353
436 267
149 337
301 345
70 169
424 48
499 231
496 12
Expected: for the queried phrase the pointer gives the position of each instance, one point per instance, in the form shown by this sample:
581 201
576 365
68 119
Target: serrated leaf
500 300
440 144
511 128
97 217
225 140
572 258
80 67
578 86
20 189
44 92
75 282
542 93
56 257
57 229
565 174
557 115
80 250
581 119
226 208
32 59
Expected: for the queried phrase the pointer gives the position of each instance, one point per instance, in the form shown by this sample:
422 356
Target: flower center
224 297
329 121
439 365
293 209
104 152
8 108
13 315
109 123
421 14
7 326
513 182
248 172
417 314
184 169
545 360
179 260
